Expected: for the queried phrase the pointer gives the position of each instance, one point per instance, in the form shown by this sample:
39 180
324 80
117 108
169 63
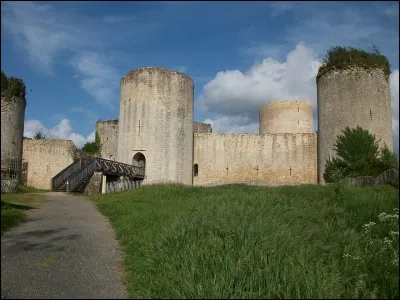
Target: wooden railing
85 172
390 176
61 177
78 171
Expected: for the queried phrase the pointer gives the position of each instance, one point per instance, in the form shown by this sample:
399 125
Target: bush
12 87
342 58
93 148
358 154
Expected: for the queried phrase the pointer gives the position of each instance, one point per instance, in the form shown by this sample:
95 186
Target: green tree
94 147
40 136
358 154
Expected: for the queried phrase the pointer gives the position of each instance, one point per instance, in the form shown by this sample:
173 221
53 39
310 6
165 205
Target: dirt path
67 249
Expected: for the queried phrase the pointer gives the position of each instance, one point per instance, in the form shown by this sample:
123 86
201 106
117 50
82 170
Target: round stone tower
156 124
350 98
13 104
286 117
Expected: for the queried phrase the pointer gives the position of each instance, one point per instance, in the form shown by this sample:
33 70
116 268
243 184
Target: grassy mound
238 241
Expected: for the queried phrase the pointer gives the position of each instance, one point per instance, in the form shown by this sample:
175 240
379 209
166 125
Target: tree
40 136
358 154
94 147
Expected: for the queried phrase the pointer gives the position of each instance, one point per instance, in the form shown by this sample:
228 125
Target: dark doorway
196 170
139 160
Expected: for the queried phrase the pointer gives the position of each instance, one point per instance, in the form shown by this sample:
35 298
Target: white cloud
45 34
234 98
97 77
224 125
61 131
241 94
37 30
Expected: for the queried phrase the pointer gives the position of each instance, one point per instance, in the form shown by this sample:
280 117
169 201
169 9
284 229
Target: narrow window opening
196 170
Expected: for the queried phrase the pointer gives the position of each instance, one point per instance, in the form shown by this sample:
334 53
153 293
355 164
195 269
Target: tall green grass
239 241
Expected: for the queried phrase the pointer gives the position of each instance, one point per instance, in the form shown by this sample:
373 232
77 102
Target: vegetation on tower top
343 58
12 88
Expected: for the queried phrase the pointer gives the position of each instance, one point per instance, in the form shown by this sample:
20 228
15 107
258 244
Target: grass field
14 206
238 241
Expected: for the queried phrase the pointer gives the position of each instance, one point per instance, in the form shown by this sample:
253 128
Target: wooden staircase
76 176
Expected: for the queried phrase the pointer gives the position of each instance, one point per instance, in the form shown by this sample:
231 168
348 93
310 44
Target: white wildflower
368 225
387 241
382 216
346 255
394 233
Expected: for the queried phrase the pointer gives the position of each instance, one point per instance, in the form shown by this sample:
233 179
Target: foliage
342 58
94 147
39 136
238 241
388 159
12 87
358 154
115 121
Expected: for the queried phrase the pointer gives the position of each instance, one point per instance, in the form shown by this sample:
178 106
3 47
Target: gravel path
67 249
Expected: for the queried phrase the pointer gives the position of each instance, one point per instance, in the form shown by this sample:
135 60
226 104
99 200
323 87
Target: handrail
81 175
78 171
60 178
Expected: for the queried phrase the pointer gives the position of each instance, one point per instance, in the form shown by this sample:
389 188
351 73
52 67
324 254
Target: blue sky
240 55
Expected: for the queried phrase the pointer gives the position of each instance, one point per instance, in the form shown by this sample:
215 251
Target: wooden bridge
76 176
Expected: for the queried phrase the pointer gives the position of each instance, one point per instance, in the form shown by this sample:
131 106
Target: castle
156 130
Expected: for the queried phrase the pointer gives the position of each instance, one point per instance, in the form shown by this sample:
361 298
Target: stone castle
156 129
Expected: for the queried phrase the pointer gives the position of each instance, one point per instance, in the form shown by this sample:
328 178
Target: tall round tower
349 98
13 104
156 124
286 117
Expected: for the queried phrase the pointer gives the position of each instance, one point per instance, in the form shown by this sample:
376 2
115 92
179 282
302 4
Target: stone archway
139 160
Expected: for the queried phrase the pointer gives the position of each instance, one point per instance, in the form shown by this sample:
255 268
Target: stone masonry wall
94 185
45 159
156 120
12 129
108 133
230 158
286 117
199 127
352 98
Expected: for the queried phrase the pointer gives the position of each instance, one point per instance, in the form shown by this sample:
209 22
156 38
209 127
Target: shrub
93 148
12 87
358 154
342 58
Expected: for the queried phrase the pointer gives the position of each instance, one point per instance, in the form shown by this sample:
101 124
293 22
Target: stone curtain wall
233 158
199 127
45 158
108 133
